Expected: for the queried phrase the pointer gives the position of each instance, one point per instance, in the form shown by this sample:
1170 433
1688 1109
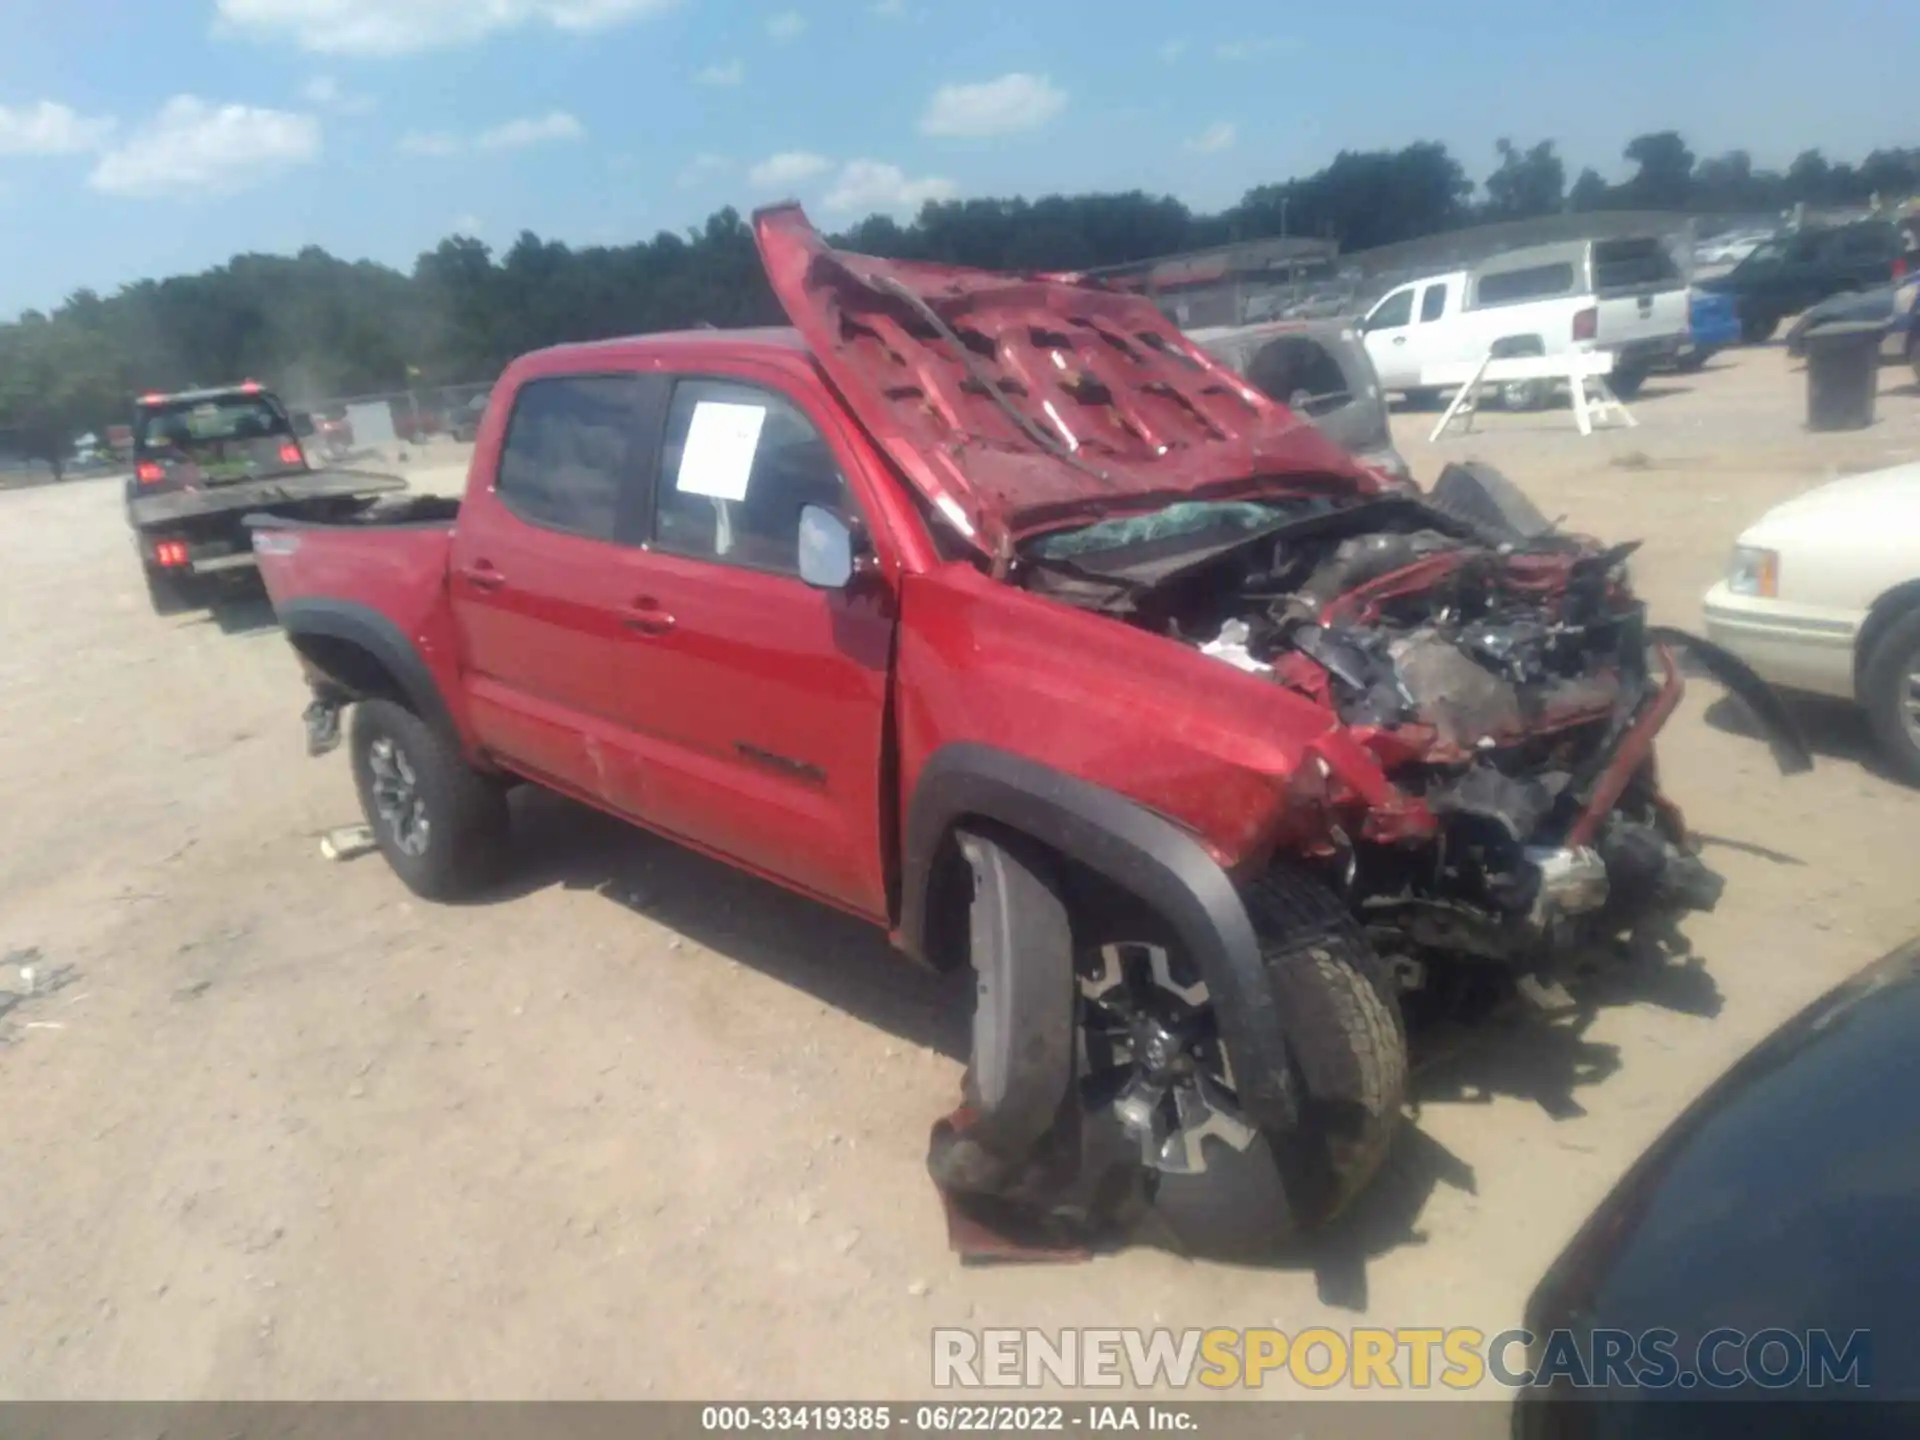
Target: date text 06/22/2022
943 1419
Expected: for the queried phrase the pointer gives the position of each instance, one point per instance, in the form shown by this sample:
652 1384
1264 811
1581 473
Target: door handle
647 618
482 576
1399 339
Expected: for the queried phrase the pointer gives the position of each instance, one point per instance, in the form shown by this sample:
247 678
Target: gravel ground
639 1126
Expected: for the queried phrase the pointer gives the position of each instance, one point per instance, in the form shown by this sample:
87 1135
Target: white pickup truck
1622 295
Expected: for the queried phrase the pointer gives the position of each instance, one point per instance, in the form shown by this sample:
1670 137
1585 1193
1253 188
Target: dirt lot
643 1127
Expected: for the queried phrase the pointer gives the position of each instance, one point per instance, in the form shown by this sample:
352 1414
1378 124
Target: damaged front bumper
1614 868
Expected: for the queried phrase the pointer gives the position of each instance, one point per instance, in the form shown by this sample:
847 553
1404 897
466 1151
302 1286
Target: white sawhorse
1585 372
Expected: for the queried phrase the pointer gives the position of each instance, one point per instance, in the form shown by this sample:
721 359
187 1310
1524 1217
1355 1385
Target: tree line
314 326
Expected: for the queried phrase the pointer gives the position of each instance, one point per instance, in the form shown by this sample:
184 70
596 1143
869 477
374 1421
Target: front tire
441 824
1223 1188
1890 691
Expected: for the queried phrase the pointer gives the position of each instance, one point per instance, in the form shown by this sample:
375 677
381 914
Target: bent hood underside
1017 404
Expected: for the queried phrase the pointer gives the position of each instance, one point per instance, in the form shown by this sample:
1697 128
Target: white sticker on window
718 456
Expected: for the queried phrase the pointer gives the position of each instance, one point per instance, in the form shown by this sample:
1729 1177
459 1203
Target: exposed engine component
1501 680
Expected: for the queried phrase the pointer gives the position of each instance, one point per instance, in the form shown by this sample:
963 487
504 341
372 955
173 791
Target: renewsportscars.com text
1405 1358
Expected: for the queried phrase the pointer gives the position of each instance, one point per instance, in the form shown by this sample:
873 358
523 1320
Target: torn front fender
1783 736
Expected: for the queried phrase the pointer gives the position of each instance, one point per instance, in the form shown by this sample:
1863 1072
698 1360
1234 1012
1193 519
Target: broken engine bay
1506 688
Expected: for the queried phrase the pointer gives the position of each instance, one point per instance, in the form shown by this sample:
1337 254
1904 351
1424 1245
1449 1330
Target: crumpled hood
1018 404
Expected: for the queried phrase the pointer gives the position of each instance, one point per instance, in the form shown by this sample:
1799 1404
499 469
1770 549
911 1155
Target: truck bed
392 556
148 511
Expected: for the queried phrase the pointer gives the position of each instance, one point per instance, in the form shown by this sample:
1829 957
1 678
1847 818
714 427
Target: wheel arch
1881 616
1143 854
363 655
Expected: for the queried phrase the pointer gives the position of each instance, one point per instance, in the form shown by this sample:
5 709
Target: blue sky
147 137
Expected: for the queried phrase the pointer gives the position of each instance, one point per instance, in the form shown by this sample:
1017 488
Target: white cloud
993 107
47 128
787 25
867 186
1173 49
402 27
730 73
1214 139
791 167
429 142
468 225
701 169
325 92
531 130
193 148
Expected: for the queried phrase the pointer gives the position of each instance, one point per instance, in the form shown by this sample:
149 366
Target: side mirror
303 425
826 549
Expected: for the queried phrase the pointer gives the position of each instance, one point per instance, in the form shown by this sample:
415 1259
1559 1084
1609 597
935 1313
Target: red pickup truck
992 610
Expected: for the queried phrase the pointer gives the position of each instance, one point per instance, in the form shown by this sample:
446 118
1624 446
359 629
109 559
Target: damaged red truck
990 609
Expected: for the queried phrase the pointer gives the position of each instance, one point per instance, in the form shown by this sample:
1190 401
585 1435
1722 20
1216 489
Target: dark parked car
1781 1212
1803 267
1316 368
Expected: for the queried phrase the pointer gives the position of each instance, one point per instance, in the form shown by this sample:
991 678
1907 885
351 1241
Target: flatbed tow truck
203 460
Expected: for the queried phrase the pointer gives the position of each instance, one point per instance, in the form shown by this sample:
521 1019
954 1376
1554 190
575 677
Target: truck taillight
1586 324
290 454
170 554
149 473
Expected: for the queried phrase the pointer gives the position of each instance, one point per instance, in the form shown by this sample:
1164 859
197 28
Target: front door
757 704
1389 337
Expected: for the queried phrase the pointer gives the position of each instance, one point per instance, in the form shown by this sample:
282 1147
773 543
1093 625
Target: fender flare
1164 866
373 632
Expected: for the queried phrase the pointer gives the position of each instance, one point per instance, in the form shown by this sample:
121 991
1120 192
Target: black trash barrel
1843 374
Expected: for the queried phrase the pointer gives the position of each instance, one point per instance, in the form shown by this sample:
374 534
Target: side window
738 465
1433 304
1514 287
572 450
1393 312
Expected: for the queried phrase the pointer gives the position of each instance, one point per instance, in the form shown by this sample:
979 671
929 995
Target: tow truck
204 459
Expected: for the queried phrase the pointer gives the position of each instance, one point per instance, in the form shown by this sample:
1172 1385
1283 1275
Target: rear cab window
573 456
738 464
1433 303
217 435
1632 263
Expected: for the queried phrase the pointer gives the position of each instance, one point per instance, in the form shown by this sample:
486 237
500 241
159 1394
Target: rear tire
1523 395
1626 383
1890 692
167 594
441 824
1757 325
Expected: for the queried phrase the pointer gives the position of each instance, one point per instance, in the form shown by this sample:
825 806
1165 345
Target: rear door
1389 339
540 597
756 704
1639 291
